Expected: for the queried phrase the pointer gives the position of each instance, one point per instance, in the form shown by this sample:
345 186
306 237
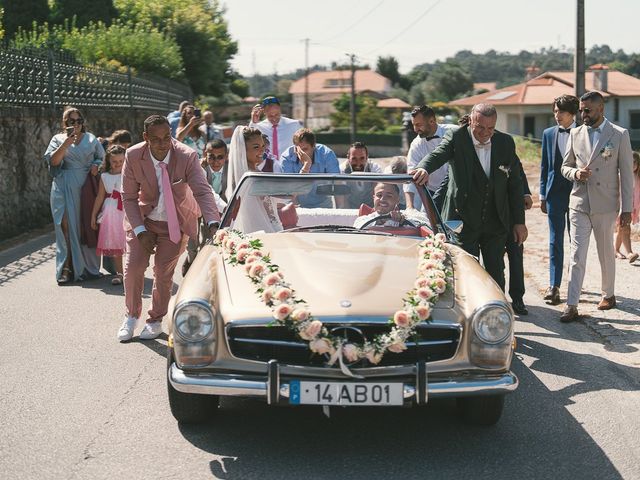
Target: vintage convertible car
293 304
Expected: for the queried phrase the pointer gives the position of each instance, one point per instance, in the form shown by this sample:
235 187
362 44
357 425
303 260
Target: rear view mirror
333 189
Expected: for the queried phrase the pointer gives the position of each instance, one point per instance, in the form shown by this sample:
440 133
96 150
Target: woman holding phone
70 156
188 131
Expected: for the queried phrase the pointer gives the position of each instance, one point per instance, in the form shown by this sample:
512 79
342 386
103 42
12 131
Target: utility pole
352 104
578 61
306 81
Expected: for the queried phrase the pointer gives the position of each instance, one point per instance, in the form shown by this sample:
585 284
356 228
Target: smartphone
70 131
197 113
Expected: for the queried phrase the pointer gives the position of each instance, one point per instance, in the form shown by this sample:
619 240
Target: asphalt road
76 404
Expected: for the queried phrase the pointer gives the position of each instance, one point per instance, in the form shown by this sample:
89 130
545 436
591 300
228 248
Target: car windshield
372 204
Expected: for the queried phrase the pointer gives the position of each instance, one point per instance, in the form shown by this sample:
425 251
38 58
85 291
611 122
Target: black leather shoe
552 296
519 307
570 314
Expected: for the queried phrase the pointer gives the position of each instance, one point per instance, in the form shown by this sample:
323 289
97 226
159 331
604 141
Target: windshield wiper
334 228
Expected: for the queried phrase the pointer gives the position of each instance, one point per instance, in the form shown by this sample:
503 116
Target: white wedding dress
257 213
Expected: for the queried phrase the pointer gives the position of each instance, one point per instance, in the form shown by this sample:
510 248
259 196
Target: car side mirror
454 225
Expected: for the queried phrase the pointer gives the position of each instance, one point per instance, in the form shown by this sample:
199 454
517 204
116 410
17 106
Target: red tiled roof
543 89
393 103
339 81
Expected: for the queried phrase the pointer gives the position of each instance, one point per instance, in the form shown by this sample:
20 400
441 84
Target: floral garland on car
432 280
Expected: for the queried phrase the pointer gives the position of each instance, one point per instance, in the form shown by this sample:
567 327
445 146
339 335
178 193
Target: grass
529 152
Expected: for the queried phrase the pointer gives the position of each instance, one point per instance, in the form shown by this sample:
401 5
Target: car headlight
492 323
193 321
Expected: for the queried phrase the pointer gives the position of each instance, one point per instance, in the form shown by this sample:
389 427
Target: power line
404 30
356 22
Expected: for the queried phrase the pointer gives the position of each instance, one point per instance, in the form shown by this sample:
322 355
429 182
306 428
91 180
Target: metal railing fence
44 78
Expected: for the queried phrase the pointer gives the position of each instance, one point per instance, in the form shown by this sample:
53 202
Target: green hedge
377 139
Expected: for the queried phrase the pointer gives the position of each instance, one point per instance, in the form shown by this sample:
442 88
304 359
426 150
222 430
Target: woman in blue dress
70 156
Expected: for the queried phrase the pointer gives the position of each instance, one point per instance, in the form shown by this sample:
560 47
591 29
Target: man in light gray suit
599 162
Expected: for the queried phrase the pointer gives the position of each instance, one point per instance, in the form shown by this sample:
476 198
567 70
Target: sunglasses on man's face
210 156
74 121
585 110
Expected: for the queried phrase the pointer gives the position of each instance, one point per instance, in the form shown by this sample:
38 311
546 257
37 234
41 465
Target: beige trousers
603 226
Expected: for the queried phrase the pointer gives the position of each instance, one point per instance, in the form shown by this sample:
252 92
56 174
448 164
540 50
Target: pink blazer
189 185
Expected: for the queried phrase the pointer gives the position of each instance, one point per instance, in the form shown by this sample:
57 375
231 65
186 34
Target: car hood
336 274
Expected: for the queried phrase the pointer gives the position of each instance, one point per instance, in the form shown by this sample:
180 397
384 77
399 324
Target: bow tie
483 146
594 130
432 137
564 130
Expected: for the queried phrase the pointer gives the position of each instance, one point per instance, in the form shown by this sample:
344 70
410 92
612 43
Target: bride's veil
253 214
237 160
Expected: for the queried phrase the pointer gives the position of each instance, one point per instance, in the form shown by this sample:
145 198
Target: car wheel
484 410
190 407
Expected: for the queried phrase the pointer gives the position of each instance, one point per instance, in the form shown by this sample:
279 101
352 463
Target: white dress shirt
286 128
595 136
420 148
484 154
563 139
159 213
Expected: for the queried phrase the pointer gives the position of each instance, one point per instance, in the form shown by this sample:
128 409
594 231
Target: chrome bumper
274 391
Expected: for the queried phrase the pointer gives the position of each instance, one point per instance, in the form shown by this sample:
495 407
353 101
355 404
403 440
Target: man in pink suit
157 223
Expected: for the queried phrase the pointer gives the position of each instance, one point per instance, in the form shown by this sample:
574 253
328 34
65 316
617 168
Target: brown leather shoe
552 296
570 314
607 303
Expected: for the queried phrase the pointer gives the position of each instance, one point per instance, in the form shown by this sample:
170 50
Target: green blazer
457 149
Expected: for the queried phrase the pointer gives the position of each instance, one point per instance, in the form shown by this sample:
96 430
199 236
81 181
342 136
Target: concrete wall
24 180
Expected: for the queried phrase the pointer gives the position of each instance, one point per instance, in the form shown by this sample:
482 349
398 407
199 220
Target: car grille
431 342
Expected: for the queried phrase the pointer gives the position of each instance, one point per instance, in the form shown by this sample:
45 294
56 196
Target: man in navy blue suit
555 189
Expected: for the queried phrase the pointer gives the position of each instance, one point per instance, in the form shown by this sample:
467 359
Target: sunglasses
585 110
270 101
74 121
215 157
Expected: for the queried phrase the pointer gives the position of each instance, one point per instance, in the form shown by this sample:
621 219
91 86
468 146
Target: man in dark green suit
485 187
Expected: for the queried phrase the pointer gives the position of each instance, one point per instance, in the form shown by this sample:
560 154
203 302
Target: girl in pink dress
108 212
623 234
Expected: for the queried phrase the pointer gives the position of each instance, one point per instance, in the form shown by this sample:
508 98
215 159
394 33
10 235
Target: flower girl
108 212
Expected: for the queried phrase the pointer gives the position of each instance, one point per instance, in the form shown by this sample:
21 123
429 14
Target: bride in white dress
257 213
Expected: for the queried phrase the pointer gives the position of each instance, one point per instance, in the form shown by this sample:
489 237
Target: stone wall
24 179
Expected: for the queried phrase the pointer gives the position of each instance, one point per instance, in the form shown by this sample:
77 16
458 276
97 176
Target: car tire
190 408
483 410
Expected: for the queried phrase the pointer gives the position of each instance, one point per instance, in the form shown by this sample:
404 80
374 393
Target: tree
447 81
240 87
368 115
22 14
388 67
200 30
84 11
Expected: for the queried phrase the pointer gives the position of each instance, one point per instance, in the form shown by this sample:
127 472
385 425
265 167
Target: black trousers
490 242
516 268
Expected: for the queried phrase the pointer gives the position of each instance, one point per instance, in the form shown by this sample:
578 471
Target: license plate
340 393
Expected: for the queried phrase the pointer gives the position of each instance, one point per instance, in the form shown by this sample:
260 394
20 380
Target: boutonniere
504 169
607 150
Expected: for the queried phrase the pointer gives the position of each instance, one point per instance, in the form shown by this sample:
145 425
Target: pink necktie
169 205
274 141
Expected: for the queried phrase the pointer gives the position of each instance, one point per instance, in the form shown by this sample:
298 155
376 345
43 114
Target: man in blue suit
555 189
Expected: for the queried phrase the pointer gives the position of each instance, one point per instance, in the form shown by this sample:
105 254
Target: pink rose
427 242
440 285
272 279
397 347
321 346
251 258
267 295
283 294
247 266
350 352
300 315
438 255
428 265
282 311
221 235
423 312
312 330
401 318
257 269
229 244
422 282
257 253
243 245
241 254
425 293
373 356
441 237
425 251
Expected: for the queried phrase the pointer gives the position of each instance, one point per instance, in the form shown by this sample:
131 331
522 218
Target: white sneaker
126 330
151 330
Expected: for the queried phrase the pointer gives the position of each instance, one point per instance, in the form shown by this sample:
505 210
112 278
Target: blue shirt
324 161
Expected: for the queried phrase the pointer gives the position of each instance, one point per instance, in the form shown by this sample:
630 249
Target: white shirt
563 139
159 213
484 154
286 128
596 134
370 167
420 148
360 221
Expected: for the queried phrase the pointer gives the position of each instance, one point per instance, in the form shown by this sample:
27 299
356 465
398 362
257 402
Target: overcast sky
270 33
